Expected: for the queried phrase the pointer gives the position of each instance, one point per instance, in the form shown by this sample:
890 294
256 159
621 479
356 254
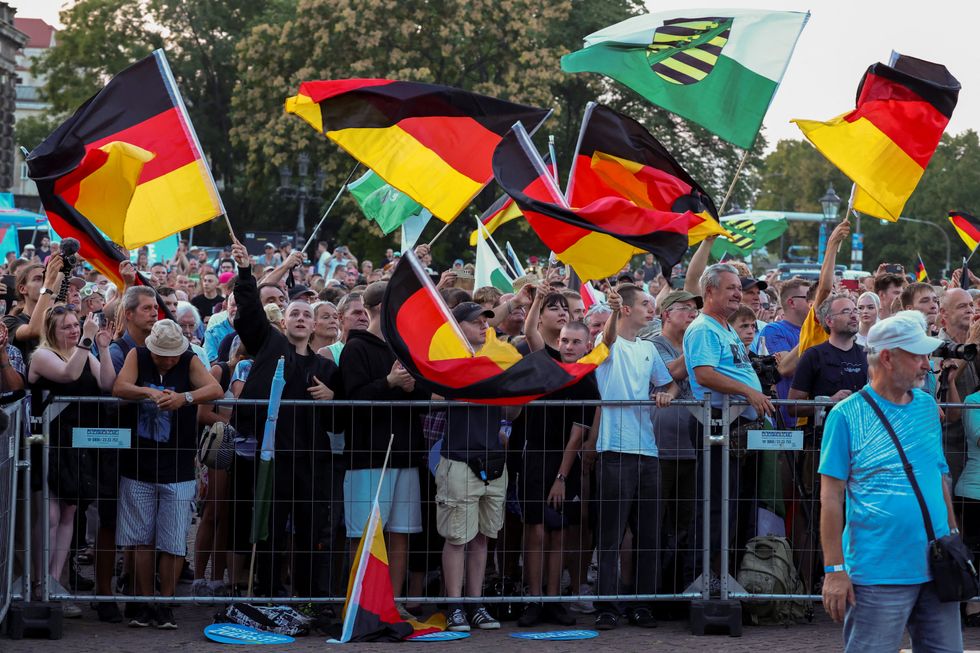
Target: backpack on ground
280 619
767 568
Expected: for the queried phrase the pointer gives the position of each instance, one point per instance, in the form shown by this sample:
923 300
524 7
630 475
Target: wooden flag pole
444 227
340 192
731 187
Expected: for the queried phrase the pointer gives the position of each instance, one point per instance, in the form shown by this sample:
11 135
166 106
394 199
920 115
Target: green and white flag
488 271
384 204
750 230
719 68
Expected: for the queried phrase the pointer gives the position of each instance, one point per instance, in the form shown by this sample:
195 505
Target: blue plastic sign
444 636
103 438
558 635
236 634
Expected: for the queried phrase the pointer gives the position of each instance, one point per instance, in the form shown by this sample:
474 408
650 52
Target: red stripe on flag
318 91
164 135
462 142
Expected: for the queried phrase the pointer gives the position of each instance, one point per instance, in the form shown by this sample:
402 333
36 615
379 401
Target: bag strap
906 465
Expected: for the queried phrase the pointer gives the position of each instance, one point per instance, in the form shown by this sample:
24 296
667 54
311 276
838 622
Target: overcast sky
841 40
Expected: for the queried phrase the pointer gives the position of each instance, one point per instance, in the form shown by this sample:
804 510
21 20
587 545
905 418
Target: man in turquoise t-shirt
877 577
718 362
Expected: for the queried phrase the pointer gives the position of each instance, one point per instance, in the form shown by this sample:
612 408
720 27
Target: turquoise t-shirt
884 537
707 342
632 369
969 483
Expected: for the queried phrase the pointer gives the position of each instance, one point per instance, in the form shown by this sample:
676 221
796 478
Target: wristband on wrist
954 531
829 569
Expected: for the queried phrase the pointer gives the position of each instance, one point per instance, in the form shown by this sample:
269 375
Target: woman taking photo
64 365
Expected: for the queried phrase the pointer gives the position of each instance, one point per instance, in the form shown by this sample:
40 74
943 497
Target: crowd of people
533 494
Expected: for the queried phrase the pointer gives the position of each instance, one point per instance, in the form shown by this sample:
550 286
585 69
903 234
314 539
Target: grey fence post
706 500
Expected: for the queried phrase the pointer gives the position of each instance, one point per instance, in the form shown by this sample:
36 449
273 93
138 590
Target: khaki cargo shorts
465 505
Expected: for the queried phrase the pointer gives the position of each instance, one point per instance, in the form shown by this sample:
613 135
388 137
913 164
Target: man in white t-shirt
627 468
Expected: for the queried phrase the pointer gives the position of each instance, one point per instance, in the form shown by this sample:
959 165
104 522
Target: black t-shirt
825 369
26 347
206 306
547 428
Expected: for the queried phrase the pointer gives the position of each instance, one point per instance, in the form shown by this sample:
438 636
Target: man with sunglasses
784 335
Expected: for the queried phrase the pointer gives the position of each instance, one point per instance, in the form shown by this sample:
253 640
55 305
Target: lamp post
830 205
934 226
306 188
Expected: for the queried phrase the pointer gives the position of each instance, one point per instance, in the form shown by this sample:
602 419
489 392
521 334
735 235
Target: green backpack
767 568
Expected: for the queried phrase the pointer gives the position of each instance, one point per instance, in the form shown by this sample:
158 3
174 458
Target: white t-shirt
632 368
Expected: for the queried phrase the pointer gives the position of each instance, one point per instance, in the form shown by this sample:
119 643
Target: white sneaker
70 611
583 607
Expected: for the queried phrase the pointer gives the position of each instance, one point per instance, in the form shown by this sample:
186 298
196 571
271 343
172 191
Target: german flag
885 144
596 237
433 143
502 211
426 339
967 227
370 614
920 270
128 161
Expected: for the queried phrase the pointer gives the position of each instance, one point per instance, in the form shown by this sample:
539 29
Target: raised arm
609 331
531 333
826 283
250 321
697 265
52 281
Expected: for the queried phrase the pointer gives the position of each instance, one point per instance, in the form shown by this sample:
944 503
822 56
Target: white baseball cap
906 331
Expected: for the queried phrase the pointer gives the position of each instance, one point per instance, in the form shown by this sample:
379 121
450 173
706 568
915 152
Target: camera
767 369
69 248
952 350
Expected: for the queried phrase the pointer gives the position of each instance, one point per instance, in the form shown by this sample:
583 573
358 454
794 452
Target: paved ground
88 634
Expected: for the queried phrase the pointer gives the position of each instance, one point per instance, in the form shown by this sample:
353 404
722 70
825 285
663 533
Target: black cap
468 311
299 290
748 282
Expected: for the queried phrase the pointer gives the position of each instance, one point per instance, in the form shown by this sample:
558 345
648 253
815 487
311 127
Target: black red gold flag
428 342
886 142
920 270
596 238
434 143
967 226
128 162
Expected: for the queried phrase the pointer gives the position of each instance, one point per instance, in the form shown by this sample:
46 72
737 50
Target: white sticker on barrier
91 438
776 440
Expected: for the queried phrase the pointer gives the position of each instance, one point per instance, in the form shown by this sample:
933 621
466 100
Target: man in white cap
877 578
156 486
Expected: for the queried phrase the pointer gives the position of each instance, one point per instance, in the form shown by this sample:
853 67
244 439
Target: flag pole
384 467
485 233
340 192
444 227
731 187
554 157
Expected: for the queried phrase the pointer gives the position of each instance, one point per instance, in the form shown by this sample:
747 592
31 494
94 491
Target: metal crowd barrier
9 442
693 564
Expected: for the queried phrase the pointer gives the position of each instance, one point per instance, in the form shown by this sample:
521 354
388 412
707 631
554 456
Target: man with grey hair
139 306
596 318
878 580
717 362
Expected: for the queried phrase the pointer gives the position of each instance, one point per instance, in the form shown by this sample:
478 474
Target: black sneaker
109 613
531 616
557 613
76 581
642 617
144 618
456 621
165 618
606 621
483 620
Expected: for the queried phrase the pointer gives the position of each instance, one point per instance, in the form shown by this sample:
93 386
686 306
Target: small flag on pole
488 271
920 270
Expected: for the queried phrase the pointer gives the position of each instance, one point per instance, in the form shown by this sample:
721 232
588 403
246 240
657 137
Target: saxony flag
488 271
719 68
433 143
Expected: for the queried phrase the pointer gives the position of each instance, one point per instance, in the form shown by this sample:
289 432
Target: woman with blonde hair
867 307
326 325
64 364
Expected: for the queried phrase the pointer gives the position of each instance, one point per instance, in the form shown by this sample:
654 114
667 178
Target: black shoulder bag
950 561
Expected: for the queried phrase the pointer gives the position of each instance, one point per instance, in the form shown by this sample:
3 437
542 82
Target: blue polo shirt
708 342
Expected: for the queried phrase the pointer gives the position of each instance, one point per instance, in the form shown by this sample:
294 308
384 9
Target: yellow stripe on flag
105 196
884 173
170 203
707 227
597 255
411 167
304 107
503 354
620 175
446 345
512 212
967 239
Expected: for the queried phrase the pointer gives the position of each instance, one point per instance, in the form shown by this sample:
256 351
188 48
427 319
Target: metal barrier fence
626 531
9 442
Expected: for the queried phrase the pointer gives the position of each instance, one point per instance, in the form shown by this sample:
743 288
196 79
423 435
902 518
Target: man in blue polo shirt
877 573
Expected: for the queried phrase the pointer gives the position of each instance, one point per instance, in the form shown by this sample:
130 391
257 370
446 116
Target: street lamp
830 204
305 189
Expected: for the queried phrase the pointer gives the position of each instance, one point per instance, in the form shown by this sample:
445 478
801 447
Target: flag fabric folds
749 232
967 226
128 161
502 211
428 342
433 143
387 206
515 260
886 142
615 212
718 68
920 270
489 271
267 454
